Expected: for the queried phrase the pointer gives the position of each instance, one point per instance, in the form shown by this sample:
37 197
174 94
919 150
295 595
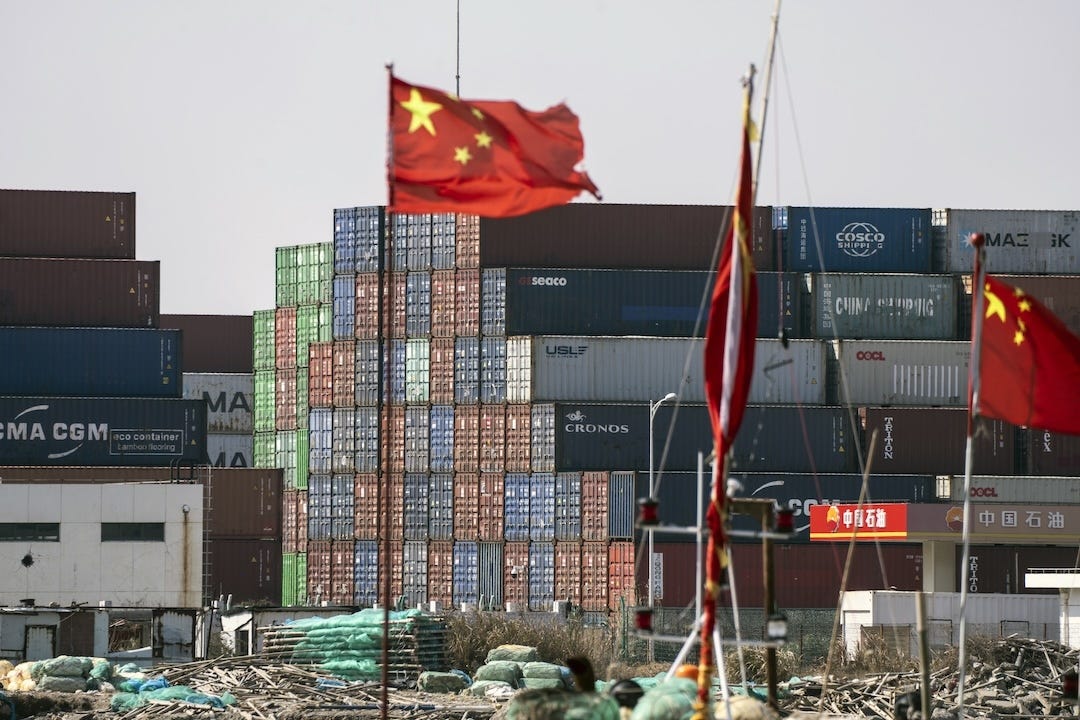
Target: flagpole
765 98
978 283
383 484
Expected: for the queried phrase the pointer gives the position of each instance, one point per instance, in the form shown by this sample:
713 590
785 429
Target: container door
40 642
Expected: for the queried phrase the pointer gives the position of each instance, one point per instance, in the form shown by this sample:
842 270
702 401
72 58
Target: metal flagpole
765 97
383 492
977 313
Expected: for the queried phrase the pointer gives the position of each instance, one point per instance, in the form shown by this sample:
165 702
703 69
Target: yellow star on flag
479 115
1018 338
1025 306
462 155
483 139
421 110
994 305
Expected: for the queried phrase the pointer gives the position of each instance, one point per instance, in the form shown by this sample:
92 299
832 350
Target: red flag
484 157
1030 362
729 361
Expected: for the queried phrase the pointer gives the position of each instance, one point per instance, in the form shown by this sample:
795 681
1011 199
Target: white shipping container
902 372
230 450
228 399
1040 490
640 369
1017 241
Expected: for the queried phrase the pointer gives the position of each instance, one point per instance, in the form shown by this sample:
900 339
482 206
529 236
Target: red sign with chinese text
870 521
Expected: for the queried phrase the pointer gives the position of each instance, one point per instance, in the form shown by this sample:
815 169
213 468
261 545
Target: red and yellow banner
881 521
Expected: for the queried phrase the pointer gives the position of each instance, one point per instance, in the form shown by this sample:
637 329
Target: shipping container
492 438
443 299
263 340
622 583
441 573
467 243
594 505
1052 453
390 563
414 574
343 383
807 576
395 355
516 576
315 274
230 450
467 302
366 438
343 442
604 437
214 343
417 371
417 439
331 572
443 241
394 303
1002 569
90 362
358 233
901 307
1017 241
393 424
80 293
366 506
541 576
542 510
466 438
594 576
321 439
657 303
293 579
42 430
1041 490
441 506
285 276
285 338
642 369
542 442
622 505
307 332
366 590
567 507
1058 293
67 224
870 240
568 572
228 398
672 237
441 372
367 306
344 317
366 376
466 506
934 441
416 506
262 452
302 408
902 372
393 498
264 401
418 305
489 567
491 507
441 438
244 503
247 570
290 519
516 497
466 370
493 370
518 438
466 574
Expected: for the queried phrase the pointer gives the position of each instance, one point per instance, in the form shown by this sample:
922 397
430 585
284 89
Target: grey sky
241 124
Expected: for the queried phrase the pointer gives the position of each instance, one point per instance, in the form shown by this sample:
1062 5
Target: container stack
521 359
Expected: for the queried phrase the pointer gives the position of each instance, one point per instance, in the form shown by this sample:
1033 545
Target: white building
125 544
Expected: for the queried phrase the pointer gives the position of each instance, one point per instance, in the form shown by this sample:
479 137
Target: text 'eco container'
858 239
901 307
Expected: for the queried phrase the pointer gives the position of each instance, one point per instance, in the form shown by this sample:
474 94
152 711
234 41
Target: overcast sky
242 124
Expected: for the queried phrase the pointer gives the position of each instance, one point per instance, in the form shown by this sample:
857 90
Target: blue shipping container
466 573
858 239
493 370
416 506
442 438
321 440
344 322
90 362
542 507
516 506
568 506
441 507
541 576
366 572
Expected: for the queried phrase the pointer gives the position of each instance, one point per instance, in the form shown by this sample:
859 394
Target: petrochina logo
954 519
860 239
832 518
870 355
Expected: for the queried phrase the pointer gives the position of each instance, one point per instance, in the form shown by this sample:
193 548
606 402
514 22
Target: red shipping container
443 291
342 583
285 338
243 503
344 380
467 303
367 306
249 570
622 583
516 574
491 506
441 573
301 521
518 438
594 576
318 571
395 500
395 304
395 565
395 437
466 506
68 224
467 241
214 343
466 437
290 516
568 572
285 400
442 371
320 375
365 506
594 505
493 438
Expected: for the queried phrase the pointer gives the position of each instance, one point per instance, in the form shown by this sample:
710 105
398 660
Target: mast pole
765 97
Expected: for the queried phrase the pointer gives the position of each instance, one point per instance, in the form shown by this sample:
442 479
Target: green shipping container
326 322
417 371
303 443
263 340
293 579
263 401
315 273
285 457
302 408
285 272
263 452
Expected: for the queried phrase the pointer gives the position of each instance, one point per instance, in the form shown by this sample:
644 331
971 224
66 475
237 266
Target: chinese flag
484 157
1030 364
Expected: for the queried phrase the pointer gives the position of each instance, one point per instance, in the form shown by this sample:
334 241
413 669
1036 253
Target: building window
132 532
35 532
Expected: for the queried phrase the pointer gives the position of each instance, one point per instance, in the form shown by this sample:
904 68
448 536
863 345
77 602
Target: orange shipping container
622 585
396 497
367 306
285 400
467 303
441 573
344 381
290 516
443 291
342 583
320 375
318 571
493 438
516 574
594 506
466 438
518 438
568 572
466 506
395 437
594 576
285 338
442 371
395 304
365 506
491 506
395 566
467 241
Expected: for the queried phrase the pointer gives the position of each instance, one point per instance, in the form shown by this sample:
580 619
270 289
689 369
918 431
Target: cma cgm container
641 369
83 293
55 223
101 431
1017 241
629 302
934 440
904 307
902 372
605 437
90 362
870 240
672 237
797 492
216 343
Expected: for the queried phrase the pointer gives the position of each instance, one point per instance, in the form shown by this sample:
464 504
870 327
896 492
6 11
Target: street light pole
653 407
